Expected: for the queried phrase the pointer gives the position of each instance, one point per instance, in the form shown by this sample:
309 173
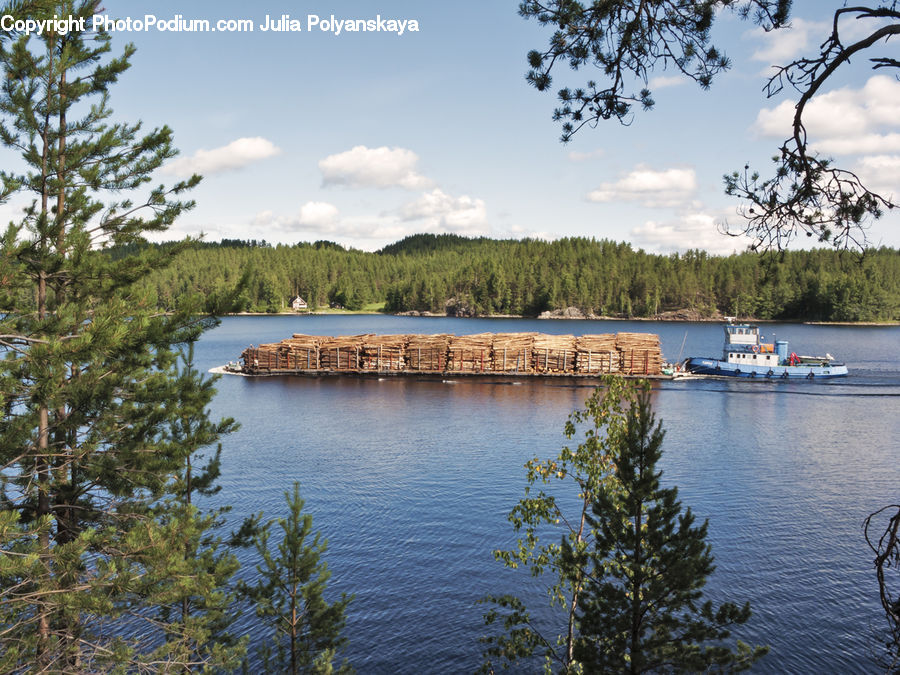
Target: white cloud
665 81
775 122
434 212
314 216
653 188
318 214
859 145
577 156
362 167
779 47
235 155
364 232
13 210
879 173
844 121
264 218
689 231
441 212
520 232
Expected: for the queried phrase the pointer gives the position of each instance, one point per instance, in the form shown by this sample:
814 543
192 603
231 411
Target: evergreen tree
88 372
606 277
587 469
289 597
189 580
622 543
642 610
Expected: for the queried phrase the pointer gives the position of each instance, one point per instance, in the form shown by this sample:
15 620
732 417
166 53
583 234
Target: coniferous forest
475 277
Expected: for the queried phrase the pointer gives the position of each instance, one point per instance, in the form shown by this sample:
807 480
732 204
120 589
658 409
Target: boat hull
715 367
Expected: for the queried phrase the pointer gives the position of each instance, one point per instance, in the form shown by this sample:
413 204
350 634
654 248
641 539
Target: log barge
513 354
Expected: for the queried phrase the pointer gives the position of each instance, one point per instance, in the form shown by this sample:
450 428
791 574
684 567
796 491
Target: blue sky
363 138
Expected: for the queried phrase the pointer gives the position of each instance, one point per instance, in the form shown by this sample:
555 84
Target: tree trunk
43 440
636 582
576 592
295 667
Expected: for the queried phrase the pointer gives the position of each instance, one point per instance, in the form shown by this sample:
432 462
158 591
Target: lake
410 480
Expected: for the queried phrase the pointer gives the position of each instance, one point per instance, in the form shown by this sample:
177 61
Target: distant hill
427 243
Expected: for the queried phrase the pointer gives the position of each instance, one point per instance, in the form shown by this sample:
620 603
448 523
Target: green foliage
642 608
628 570
587 471
190 577
97 424
482 276
289 598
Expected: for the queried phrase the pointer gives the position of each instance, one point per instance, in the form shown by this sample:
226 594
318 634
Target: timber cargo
529 354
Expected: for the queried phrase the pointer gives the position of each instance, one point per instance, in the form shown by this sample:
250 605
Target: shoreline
653 319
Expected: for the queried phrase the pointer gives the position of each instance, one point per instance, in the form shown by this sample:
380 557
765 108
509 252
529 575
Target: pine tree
87 367
289 597
189 580
642 610
587 470
629 548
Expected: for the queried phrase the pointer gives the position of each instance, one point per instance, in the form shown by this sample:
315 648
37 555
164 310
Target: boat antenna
682 347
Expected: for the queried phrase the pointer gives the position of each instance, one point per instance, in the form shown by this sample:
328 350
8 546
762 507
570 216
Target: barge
510 354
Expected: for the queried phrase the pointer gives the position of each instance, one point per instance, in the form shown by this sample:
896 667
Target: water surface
410 480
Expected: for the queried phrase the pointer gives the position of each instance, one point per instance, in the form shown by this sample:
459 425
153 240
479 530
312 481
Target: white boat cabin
745 346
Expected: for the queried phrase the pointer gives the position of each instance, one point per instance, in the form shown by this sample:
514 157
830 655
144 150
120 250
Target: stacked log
626 353
427 352
341 353
554 353
262 357
641 354
305 350
596 354
383 352
470 353
511 352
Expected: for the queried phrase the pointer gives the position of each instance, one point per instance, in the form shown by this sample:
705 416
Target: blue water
411 480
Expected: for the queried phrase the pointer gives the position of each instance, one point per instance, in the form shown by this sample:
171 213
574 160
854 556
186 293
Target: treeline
440 273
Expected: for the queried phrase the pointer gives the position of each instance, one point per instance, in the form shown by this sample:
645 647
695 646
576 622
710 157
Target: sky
363 138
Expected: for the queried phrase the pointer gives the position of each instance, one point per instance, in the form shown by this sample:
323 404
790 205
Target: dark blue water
411 481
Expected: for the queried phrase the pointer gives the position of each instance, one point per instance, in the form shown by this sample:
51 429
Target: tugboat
747 355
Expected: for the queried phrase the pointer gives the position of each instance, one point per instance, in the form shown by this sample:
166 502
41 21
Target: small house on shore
298 304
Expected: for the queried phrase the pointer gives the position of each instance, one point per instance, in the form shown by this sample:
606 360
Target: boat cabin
745 346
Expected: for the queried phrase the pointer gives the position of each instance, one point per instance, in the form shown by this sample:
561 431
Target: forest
479 276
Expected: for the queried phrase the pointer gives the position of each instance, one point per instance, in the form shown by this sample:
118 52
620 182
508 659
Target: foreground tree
88 376
626 40
189 579
642 610
885 544
596 548
289 598
587 470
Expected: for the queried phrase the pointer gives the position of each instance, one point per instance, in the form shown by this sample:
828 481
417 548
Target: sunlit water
410 481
